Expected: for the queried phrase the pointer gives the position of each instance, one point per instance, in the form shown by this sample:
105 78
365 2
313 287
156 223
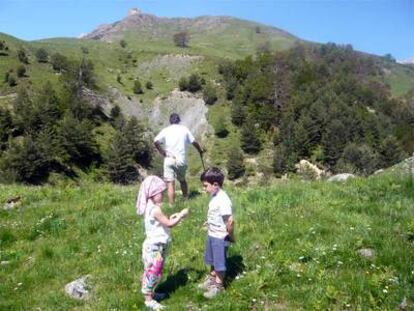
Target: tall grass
296 247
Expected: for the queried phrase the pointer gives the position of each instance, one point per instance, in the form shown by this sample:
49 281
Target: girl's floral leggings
153 256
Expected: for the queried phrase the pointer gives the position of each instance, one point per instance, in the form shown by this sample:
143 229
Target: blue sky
373 26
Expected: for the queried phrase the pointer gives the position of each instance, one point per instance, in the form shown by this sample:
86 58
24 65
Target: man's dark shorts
215 253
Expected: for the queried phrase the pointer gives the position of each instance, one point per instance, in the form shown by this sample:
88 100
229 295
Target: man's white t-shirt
219 206
175 138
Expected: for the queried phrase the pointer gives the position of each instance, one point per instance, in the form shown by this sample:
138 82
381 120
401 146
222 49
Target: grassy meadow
296 247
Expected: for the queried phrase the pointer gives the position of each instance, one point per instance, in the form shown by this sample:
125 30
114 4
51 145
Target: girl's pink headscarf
152 185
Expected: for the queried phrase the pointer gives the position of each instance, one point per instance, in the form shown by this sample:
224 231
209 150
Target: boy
220 229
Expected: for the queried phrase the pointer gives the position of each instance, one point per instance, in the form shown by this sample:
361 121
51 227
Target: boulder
78 289
368 253
341 177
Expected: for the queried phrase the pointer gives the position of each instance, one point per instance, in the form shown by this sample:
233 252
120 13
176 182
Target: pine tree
78 141
390 152
235 165
120 165
250 143
6 125
24 162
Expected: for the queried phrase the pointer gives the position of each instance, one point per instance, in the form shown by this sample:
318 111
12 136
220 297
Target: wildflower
384 291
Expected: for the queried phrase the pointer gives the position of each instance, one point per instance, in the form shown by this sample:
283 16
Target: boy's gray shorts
215 253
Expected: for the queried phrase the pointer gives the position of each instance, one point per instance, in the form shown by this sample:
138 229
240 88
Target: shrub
138 87
183 84
149 85
42 55
21 71
235 165
209 95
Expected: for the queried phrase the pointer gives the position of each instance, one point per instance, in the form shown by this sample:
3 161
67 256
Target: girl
157 231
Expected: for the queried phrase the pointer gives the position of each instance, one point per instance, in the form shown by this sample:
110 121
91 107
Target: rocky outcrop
341 177
309 170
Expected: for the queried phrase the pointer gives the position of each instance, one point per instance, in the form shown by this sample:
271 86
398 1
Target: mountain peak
134 11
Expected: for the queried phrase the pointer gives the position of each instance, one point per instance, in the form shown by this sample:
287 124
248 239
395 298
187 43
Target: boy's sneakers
154 305
208 281
213 290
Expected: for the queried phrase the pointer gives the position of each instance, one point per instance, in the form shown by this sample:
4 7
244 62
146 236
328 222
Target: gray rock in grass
78 289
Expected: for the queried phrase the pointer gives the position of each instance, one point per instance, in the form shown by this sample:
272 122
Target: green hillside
297 247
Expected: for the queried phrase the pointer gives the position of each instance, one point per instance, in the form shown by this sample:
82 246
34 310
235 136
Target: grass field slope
298 247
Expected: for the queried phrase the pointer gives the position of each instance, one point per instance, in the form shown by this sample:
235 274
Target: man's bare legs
184 188
171 192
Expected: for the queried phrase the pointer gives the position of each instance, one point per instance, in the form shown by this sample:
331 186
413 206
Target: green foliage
280 160
59 62
22 56
149 85
235 166
21 71
209 94
250 142
194 83
78 141
138 87
390 152
42 55
123 43
6 126
130 146
120 166
183 84
319 98
24 162
362 158
220 126
181 39
11 79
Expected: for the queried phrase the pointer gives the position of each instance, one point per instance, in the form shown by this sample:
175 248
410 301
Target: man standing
175 138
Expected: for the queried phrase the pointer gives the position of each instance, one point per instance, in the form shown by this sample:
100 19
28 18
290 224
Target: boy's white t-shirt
175 138
155 232
219 206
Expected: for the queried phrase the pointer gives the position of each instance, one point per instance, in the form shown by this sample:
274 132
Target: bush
24 162
194 83
138 87
42 55
209 95
183 84
250 143
181 39
21 55
21 71
59 62
235 165
149 85
220 127
120 166
11 80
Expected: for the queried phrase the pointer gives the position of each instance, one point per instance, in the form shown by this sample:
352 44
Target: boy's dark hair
174 118
212 175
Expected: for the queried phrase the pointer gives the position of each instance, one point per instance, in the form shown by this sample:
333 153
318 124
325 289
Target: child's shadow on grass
175 281
235 266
